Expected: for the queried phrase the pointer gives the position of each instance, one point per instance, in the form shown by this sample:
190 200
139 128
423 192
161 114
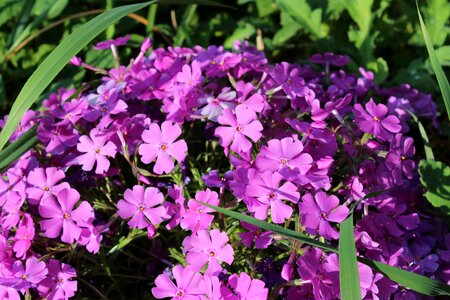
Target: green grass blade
437 68
419 283
271 227
348 265
426 142
56 61
17 148
416 282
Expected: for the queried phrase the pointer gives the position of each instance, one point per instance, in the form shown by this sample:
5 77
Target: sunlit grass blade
348 265
408 279
416 282
55 62
437 68
17 148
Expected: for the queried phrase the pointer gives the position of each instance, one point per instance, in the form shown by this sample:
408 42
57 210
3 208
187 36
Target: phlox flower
374 120
190 76
215 105
159 143
25 277
143 206
318 211
96 148
120 41
60 214
284 156
261 238
44 182
59 284
265 187
209 248
246 288
242 125
24 236
188 285
196 216
175 210
398 159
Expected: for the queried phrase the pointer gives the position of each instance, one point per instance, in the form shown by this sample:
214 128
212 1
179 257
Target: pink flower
24 278
247 288
120 41
24 236
243 125
176 210
188 285
196 217
59 284
262 239
159 144
143 206
60 214
208 248
319 210
43 183
96 149
269 194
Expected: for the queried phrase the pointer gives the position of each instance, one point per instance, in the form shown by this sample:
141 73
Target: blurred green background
381 35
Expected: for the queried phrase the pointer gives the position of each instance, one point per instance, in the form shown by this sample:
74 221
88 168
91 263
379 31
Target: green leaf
265 7
52 8
416 282
380 68
348 265
17 148
288 31
56 61
435 177
426 142
442 80
301 12
244 31
443 54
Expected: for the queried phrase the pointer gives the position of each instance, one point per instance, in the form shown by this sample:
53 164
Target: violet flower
188 285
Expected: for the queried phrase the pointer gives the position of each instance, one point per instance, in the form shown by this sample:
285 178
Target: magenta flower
209 248
398 159
120 41
191 76
196 217
375 121
269 194
175 210
188 285
284 156
44 182
319 210
241 126
159 144
96 148
60 214
24 278
247 288
262 239
59 284
24 236
143 206
215 105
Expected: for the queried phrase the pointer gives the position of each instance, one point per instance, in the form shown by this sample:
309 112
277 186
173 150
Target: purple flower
188 285
246 288
241 125
120 41
328 58
269 194
24 236
143 206
319 210
398 159
215 105
190 76
176 210
59 284
196 217
262 239
96 148
284 156
24 278
60 214
159 144
209 248
44 182
375 121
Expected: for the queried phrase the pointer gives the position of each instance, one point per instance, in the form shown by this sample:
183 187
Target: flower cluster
173 132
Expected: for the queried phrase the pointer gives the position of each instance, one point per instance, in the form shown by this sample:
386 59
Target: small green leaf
426 142
244 31
380 68
348 265
11 153
435 177
441 78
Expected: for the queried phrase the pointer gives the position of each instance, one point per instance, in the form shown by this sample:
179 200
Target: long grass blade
437 68
17 148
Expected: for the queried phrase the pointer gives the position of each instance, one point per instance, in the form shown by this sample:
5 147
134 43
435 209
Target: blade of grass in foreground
56 61
17 148
437 68
416 282
348 264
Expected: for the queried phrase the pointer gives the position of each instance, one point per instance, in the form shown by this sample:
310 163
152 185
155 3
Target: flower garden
217 172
